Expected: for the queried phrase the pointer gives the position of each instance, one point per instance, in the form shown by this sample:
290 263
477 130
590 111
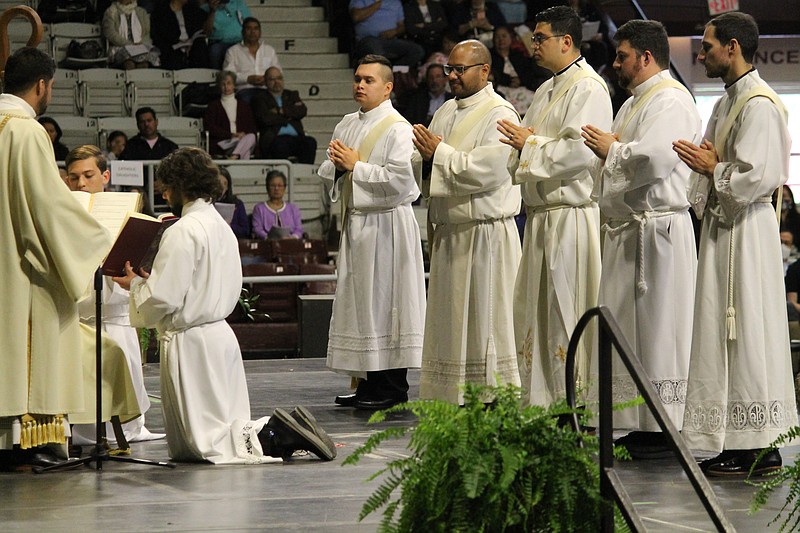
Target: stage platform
302 495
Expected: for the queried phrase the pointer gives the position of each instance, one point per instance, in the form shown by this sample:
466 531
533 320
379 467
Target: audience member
515 75
421 104
240 223
115 145
194 285
249 60
148 144
126 27
474 19
595 48
177 32
790 218
229 122
278 112
379 27
57 11
425 23
223 27
276 218
54 132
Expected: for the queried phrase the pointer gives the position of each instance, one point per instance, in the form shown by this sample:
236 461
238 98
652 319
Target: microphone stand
99 453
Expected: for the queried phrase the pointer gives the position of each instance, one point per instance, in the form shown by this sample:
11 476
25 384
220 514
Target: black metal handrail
610 485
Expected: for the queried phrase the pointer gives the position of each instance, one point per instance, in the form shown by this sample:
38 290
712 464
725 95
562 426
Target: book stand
99 453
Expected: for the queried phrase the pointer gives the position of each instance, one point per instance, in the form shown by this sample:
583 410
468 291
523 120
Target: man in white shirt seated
250 59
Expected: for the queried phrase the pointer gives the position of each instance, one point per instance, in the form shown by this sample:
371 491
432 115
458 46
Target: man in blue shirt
379 26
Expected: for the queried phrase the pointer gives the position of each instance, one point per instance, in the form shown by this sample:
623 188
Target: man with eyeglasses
649 257
474 246
559 275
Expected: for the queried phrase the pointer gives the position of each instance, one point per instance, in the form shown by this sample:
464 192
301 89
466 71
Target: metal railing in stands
611 487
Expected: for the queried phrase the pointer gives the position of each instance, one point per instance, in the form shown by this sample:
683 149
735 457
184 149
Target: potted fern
776 479
477 468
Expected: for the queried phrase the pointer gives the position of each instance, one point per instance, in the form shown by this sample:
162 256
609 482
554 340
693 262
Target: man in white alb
379 309
649 255
559 274
475 249
741 394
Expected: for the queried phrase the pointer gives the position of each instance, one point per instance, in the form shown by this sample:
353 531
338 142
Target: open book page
137 242
199 34
110 208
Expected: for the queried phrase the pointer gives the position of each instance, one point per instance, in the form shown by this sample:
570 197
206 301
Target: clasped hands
342 156
425 141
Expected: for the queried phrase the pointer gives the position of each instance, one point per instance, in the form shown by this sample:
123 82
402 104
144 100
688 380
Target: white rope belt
533 209
641 220
730 310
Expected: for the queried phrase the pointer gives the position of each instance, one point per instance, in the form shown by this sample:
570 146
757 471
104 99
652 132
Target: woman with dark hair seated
239 223
54 131
276 219
176 24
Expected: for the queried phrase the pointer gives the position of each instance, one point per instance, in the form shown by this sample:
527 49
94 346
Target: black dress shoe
724 456
307 420
646 445
283 435
377 405
346 400
740 463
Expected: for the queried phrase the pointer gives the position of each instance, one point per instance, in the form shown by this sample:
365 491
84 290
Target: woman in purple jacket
276 218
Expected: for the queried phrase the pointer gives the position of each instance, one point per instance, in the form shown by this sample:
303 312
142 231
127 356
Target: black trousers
384 384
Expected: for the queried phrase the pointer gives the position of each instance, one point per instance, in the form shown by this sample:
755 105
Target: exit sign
715 7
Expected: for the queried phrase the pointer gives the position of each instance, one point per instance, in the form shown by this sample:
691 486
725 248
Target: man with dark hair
193 286
51 249
249 60
379 309
475 248
427 99
559 274
149 144
740 395
649 258
278 113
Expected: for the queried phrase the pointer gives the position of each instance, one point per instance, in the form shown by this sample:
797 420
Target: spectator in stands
229 122
149 144
276 219
223 27
425 23
115 145
278 112
176 24
249 60
510 67
790 218
423 103
54 131
474 19
126 27
240 224
55 11
379 27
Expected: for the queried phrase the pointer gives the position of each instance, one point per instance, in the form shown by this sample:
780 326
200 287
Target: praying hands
515 135
425 141
343 157
701 159
598 141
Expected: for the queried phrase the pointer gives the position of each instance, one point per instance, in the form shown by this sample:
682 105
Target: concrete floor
305 494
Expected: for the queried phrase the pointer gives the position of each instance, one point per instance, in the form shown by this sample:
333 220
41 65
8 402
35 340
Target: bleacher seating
318 287
151 87
106 125
65 93
183 131
101 93
63 33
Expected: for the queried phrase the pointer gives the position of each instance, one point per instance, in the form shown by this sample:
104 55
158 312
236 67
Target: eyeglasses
538 39
459 69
